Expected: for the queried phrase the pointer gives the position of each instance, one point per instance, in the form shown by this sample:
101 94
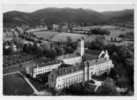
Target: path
31 85
11 73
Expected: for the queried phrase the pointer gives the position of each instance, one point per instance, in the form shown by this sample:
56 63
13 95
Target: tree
7 51
97 44
108 88
127 36
98 31
69 41
123 59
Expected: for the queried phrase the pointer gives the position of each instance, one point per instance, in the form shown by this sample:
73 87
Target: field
14 84
115 30
45 34
64 36
57 36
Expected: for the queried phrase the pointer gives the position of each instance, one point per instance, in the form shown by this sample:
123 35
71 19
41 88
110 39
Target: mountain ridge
65 15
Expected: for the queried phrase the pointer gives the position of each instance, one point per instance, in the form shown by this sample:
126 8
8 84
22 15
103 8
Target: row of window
102 68
71 80
40 71
44 69
104 64
101 71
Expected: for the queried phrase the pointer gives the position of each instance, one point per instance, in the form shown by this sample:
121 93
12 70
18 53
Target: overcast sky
97 7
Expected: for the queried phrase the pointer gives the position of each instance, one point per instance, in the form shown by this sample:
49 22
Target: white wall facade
83 75
69 79
100 68
44 69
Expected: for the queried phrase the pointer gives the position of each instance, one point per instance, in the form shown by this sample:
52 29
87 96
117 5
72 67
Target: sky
96 7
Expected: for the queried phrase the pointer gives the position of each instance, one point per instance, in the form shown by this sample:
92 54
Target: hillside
63 15
124 16
13 18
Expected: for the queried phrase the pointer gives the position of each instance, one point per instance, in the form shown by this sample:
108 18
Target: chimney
82 47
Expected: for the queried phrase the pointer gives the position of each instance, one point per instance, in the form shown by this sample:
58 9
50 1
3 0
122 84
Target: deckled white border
64 2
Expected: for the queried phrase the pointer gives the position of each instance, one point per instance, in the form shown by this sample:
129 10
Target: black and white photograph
68 49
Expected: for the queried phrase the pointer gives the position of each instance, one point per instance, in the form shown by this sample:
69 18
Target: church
70 69
81 70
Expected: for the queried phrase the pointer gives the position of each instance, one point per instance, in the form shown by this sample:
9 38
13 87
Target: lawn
14 84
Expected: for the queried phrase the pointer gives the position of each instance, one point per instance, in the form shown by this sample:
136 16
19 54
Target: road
30 84
11 73
15 67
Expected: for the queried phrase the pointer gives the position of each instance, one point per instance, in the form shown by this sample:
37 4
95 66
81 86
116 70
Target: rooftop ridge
72 69
68 56
47 63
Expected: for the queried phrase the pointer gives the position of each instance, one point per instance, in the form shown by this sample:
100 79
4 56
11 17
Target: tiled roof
68 56
97 61
68 70
91 54
45 62
71 69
